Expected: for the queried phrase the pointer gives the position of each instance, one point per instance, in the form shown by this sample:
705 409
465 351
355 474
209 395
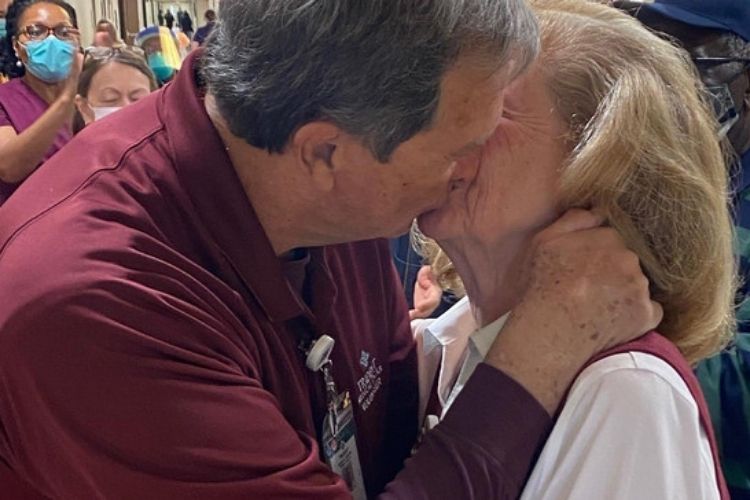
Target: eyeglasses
102 53
37 32
713 61
710 66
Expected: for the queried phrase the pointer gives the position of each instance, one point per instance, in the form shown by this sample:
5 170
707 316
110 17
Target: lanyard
338 435
318 359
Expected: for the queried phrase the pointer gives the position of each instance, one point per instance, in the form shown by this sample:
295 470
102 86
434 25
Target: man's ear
314 145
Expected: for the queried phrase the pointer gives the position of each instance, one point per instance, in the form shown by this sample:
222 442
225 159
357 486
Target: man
171 293
716 34
169 19
202 34
186 24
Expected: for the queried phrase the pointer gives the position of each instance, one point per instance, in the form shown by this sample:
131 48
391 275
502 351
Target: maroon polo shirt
149 338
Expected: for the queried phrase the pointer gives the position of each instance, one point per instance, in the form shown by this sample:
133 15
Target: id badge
340 446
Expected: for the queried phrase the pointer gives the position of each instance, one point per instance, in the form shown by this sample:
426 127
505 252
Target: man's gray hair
372 67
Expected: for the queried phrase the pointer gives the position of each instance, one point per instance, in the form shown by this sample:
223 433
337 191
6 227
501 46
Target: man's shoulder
92 172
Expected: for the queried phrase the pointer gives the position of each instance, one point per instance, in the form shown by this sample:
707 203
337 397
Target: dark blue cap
725 15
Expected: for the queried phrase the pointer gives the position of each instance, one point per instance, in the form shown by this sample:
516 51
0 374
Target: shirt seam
84 184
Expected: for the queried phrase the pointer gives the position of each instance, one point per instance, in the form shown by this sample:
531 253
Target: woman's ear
84 109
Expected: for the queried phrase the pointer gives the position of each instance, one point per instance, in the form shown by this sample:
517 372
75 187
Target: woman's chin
436 224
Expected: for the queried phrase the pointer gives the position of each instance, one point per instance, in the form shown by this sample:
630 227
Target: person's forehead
117 76
152 43
469 92
43 12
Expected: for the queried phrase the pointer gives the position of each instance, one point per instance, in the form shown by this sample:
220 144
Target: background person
5 44
202 34
110 80
169 19
36 108
105 35
716 34
185 23
162 54
609 117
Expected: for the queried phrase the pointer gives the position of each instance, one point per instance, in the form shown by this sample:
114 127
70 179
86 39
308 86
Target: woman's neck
492 275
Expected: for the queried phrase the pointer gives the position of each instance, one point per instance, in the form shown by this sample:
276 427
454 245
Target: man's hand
427 294
585 292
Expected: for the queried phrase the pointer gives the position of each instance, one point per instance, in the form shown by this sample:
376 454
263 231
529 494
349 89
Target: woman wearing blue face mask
37 107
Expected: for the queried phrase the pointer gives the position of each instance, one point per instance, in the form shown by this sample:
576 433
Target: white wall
86 19
90 11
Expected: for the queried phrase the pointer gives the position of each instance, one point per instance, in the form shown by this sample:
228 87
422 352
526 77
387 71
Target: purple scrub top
20 106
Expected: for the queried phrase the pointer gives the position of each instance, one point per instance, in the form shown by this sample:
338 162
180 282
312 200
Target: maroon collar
204 167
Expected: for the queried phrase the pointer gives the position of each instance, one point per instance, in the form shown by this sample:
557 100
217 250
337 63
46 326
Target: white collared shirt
629 428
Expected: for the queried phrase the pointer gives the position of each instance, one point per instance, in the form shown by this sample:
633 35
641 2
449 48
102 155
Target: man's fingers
575 219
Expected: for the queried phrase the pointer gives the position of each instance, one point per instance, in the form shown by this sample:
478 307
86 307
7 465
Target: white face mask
101 112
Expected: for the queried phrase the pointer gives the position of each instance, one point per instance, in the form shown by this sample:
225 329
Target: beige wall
90 11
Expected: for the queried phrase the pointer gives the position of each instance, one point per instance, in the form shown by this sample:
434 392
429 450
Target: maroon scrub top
149 338
20 107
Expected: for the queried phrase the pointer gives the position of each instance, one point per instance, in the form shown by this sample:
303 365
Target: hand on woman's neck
492 275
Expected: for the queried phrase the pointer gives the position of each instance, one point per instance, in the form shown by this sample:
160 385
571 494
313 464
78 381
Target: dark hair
91 67
210 15
16 10
372 67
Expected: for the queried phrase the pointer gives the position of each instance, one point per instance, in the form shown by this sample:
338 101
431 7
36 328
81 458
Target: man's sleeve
484 448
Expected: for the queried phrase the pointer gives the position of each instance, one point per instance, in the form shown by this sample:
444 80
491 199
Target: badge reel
338 434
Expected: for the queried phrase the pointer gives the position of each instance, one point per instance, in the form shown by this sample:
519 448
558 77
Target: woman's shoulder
642 376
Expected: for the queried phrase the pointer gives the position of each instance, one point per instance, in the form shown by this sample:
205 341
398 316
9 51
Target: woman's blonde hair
644 153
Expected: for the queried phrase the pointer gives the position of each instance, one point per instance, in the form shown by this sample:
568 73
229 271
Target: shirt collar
222 203
485 336
457 323
454 324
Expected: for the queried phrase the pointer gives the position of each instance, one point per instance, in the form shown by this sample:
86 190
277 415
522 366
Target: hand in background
427 294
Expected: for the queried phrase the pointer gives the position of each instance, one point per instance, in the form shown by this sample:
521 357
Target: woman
612 118
106 34
111 79
160 47
36 109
